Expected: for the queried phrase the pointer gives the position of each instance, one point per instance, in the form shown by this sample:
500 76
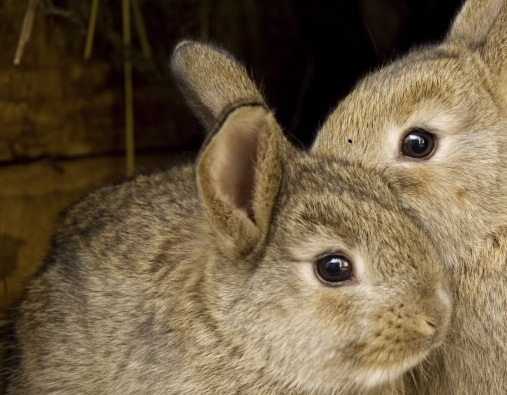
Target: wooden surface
31 198
62 131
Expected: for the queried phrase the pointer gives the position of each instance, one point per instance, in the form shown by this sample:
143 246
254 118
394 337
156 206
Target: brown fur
458 91
199 279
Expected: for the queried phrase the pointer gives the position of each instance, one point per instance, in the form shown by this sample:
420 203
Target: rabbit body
201 279
457 91
136 298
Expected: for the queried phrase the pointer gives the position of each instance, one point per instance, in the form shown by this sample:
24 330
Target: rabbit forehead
445 94
382 246
310 174
328 206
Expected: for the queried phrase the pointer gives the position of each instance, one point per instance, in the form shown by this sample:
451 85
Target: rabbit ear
475 22
211 80
481 27
239 174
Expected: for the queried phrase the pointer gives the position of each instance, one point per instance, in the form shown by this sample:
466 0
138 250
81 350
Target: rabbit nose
438 313
431 325
427 327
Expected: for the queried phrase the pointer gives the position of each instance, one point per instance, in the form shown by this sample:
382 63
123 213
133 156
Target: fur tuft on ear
211 80
474 23
239 174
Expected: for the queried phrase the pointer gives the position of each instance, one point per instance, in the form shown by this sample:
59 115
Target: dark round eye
418 143
333 269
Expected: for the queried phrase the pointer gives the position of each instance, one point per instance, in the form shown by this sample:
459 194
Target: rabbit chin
372 378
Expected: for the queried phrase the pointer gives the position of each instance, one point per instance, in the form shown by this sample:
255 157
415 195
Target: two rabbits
260 269
263 269
435 124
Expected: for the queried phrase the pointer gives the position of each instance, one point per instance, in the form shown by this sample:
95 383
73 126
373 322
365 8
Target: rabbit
434 123
257 269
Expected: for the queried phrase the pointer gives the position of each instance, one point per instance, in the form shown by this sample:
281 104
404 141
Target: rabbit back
94 304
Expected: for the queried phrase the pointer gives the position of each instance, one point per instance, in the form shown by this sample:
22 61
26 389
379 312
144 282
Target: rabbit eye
418 143
333 269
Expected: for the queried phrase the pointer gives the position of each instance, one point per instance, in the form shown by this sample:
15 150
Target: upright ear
481 26
476 21
211 80
239 174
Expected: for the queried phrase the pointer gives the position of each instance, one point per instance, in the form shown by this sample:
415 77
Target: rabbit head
434 124
319 279
259 269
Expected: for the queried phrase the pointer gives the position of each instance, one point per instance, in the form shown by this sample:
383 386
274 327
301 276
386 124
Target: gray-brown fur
458 91
199 279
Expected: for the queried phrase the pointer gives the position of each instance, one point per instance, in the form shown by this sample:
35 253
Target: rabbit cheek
446 206
400 341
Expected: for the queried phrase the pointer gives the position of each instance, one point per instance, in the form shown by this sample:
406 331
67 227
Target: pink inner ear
236 166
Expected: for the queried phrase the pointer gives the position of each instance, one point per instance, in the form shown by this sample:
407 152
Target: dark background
305 54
